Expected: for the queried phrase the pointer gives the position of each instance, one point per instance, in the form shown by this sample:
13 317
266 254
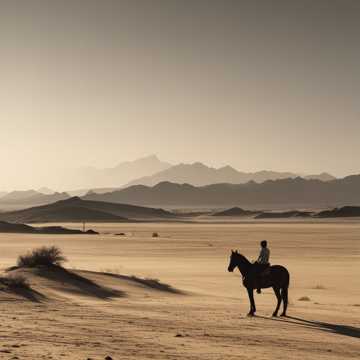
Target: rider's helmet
263 244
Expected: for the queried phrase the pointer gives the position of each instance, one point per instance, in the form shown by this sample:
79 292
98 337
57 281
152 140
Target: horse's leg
278 296
284 295
252 301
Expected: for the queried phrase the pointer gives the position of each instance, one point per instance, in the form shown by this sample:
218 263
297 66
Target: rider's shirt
264 256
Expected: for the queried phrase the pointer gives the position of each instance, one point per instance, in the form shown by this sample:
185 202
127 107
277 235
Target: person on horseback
261 264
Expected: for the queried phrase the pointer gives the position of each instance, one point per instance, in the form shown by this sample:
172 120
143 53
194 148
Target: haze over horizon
250 84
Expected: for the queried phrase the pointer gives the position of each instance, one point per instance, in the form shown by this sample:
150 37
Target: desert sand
183 304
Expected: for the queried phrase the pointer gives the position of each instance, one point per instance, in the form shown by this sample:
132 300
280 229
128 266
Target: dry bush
155 235
304 298
43 256
15 281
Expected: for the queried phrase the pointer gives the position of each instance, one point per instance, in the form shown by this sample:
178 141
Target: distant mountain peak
151 157
228 170
45 190
116 176
145 159
324 176
227 167
199 164
72 199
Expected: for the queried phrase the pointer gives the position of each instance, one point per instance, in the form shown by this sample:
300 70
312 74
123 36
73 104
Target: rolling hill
78 210
346 211
235 211
284 215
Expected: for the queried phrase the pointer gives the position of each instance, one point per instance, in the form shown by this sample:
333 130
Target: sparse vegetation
155 235
43 256
304 298
15 281
155 284
319 287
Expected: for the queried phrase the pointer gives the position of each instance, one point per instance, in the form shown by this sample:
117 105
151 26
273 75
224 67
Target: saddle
260 272
261 269
265 271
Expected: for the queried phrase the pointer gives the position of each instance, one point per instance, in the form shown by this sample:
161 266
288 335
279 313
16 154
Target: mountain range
297 192
148 171
198 174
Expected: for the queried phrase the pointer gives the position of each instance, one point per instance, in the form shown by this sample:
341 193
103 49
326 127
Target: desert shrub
43 256
15 281
155 235
304 298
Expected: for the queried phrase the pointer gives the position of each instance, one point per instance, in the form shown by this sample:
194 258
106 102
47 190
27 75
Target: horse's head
234 260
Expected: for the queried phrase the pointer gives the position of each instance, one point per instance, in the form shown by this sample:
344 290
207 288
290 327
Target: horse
276 276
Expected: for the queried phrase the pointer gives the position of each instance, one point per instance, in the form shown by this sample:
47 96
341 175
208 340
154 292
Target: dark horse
275 276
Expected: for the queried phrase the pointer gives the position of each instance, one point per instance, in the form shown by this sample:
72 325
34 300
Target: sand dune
197 310
56 282
6 227
78 210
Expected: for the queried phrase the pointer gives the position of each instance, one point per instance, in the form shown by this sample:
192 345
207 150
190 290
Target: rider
262 262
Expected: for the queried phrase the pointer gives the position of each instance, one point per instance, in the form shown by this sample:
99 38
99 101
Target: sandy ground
202 314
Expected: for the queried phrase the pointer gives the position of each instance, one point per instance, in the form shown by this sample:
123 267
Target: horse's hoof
250 314
283 315
274 314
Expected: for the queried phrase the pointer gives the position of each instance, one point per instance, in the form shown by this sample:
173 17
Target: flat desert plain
171 297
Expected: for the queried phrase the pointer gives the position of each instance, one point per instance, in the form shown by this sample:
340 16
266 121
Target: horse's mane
242 257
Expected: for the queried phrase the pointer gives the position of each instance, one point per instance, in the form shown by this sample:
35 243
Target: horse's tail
288 280
285 288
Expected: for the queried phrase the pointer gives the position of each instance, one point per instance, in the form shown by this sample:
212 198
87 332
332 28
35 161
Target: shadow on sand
26 293
150 283
68 281
345 330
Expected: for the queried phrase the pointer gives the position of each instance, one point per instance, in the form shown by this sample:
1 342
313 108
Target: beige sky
254 84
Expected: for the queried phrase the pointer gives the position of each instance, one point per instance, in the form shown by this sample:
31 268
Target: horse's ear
236 252
232 251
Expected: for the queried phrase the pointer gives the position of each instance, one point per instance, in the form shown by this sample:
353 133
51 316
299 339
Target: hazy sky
254 84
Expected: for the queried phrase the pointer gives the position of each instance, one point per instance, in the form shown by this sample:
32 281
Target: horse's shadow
345 330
